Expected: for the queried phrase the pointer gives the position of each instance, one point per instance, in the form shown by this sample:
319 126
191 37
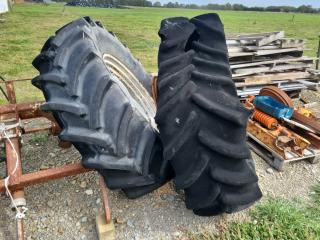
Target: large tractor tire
100 96
201 121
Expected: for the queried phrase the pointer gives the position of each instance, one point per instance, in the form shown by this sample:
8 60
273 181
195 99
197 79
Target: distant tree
176 5
147 4
170 5
306 9
211 6
157 4
228 6
288 9
256 9
238 7
273 9
192 6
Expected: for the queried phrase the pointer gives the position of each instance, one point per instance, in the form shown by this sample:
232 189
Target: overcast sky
262 3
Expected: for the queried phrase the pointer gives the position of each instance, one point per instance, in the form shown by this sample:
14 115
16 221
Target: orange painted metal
265 119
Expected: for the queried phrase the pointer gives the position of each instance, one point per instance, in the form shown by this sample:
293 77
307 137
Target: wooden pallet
277 161
244 89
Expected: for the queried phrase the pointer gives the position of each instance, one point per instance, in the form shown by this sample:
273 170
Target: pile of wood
267 57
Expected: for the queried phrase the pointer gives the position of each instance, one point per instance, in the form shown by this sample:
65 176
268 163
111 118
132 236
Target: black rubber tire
108 119
201 121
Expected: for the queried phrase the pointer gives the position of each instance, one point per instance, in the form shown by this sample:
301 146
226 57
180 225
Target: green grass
28 26
39 138
272 220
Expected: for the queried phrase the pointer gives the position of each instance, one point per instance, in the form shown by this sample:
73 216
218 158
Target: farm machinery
186 125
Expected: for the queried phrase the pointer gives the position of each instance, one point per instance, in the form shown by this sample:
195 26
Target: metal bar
308 122
318 55
28 111
13 158
104 194
20 231
14 166
13 162
21 108
36 129
18 80
10 92
44 176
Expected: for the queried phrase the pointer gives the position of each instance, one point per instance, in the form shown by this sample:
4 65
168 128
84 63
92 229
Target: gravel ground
66 209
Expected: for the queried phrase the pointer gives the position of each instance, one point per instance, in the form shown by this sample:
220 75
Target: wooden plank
240 54
258 39
105 231
298 66
268 62
245 60
270 38
249 71
277 76
237 42
240 42
235 49
256 48
240 84
291 43
251 35
270 52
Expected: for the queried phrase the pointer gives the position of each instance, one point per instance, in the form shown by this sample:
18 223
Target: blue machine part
272 107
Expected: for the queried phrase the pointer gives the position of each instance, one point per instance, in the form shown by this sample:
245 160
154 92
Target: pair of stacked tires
100 96
201 121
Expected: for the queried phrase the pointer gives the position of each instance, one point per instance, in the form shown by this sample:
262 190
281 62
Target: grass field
27 27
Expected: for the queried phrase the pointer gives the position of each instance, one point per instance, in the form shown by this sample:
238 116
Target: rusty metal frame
272 138
12 113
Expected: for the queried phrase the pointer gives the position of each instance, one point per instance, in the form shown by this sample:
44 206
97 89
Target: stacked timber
264 58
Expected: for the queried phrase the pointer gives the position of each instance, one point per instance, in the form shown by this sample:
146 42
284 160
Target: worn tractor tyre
100 96
201 121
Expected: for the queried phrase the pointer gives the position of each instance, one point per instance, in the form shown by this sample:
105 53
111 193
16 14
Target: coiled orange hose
265 119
